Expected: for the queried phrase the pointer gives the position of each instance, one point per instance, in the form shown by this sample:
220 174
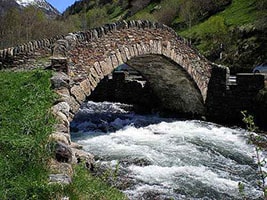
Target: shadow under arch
160 85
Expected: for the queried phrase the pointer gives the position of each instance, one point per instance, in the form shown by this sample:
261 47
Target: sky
61 5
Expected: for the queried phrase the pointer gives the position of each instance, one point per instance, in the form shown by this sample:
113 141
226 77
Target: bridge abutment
227 99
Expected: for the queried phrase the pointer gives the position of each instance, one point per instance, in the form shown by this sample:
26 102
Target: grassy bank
25 124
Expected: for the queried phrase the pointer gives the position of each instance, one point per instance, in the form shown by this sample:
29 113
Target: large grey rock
59 178
63 152
80 156
60 80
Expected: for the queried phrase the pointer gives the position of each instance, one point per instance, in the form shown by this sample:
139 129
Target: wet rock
63 152
136 161
80 156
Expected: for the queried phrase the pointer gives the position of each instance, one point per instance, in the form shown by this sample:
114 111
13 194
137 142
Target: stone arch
99 51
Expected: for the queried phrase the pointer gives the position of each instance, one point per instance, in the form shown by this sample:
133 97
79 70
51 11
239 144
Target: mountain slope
6 5
48 9
42 4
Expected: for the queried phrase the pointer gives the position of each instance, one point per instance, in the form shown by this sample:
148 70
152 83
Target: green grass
239 13
145 13
24 127
85 186
25 124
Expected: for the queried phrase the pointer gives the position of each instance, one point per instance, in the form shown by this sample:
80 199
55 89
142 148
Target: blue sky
61 5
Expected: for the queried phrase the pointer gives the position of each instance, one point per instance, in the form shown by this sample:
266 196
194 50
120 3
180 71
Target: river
167 158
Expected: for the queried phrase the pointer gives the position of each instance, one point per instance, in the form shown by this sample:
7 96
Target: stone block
97 68
61 107
135 50
60 80
159 47
78 93
80 156
10 51
73 103
139 49
60 64
62 92
106 67
60 168
61 118
86 87
127 53
119 57
62 128
131 51
94 74
92 81
123 54
114 61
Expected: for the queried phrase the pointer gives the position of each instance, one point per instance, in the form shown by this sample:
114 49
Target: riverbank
25 125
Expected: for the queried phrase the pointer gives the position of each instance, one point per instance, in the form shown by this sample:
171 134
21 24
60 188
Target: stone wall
21 54
225 101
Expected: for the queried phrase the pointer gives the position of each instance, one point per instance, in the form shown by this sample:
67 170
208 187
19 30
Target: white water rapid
160 158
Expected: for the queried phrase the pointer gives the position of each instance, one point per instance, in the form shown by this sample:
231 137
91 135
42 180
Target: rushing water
162 158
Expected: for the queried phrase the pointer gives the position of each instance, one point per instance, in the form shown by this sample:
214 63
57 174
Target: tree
213 34
96 17
167 12
188 12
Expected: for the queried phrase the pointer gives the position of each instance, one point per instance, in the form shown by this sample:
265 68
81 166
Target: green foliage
249 121
31 24
85 186
210 34
240 12
146 13
168 10
24 127
261 162
96 17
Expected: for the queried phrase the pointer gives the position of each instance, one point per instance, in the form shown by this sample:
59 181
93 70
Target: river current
167 158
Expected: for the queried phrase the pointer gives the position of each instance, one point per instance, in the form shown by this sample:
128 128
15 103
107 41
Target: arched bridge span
96 53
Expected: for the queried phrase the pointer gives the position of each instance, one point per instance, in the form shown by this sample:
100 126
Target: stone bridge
183 79
177 72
